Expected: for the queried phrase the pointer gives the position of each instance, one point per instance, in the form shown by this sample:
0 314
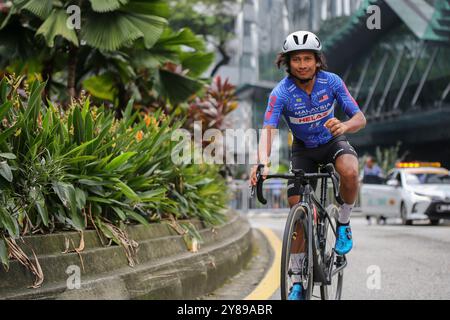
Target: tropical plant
212 108
210 111
120 50
104 25
82 168
386 158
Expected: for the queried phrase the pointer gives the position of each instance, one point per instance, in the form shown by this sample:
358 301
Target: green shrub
82 168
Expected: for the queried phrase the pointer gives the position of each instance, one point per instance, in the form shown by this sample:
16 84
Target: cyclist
305 98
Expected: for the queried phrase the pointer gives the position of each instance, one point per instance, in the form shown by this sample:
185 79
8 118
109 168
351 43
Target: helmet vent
295 39
318 42
305 37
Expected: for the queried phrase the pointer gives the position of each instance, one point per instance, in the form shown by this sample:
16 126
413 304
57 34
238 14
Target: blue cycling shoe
296 292
344 241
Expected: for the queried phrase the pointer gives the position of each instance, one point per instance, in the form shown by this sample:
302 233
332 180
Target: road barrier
275 191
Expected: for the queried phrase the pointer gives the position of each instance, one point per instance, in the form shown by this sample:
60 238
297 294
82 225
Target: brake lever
259 184
253 188
252 191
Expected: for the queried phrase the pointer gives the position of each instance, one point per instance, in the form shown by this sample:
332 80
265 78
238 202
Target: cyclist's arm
355 123
271 119
264 150
265 144
357 119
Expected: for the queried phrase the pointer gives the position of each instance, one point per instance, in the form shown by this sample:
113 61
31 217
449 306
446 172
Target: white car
411 191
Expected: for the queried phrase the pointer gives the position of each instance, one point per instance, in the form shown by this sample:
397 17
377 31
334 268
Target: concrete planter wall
166 269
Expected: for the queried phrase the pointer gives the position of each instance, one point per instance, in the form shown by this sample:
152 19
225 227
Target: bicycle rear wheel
334 290
297 215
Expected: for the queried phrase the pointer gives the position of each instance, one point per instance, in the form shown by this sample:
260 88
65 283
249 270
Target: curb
166 269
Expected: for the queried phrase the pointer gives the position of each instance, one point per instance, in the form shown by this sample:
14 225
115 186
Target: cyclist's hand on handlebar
253 174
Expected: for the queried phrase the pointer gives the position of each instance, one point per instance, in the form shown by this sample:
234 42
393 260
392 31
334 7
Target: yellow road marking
271 281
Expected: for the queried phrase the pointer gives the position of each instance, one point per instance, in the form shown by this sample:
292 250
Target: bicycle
321 264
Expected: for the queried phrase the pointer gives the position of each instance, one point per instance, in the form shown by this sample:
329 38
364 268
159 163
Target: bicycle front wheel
332 291
297 220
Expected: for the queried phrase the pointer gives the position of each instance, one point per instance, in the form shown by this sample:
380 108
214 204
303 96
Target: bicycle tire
334 290
296 215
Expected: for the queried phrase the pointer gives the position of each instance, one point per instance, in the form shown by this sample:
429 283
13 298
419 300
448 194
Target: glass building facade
401 73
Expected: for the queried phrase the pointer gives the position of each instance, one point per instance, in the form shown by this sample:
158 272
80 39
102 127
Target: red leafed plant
211 109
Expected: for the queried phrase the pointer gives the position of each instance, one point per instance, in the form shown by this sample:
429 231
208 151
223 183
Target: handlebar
297 175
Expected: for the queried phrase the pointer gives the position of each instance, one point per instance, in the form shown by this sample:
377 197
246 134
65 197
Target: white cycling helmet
302 40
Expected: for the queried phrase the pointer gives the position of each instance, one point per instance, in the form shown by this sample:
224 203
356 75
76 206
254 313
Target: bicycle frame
316 230
317 215
322 273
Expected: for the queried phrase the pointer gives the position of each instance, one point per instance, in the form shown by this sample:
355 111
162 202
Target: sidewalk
245 282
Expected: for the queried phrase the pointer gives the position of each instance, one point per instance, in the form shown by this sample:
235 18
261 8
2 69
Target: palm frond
40 8
149 7
151 26
56 25
196 62
177 87
109 31
116 29
107 5
150 59
184 36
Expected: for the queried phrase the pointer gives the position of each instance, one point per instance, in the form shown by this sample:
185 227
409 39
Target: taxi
411 191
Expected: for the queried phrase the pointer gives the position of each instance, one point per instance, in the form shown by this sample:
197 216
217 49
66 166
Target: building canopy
426 22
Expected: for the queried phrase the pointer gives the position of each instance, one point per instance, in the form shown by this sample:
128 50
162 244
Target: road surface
389 261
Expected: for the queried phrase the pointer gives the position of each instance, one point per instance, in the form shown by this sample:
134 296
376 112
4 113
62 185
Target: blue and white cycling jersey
306 114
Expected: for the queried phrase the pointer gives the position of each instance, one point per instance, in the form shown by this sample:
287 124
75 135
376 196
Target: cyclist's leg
347 167
345 160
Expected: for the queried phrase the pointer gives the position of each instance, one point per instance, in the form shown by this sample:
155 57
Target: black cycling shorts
309 159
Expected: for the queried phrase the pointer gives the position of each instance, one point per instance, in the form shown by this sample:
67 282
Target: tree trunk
72 70
47 73
224 61
122 99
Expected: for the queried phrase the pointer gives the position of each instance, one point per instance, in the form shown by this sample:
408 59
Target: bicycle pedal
337 254
340 260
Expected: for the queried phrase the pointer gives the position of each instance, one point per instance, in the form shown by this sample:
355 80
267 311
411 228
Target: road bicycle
321 265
